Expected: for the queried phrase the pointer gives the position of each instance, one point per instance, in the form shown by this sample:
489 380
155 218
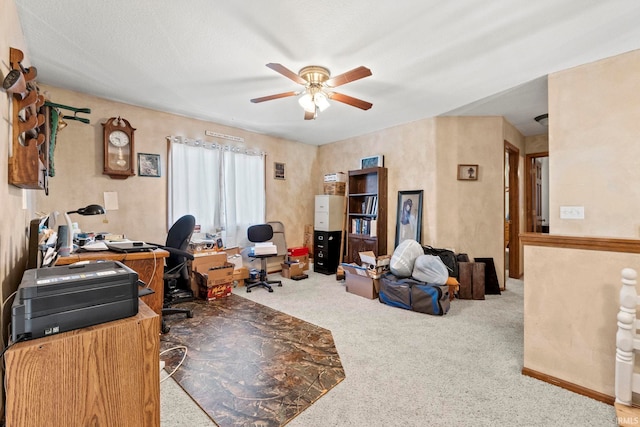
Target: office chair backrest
178 238
260 233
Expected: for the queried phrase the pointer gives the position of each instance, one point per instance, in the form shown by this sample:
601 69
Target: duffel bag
430 299
394 291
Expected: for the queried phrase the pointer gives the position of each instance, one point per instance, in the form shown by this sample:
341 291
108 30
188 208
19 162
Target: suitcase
430 299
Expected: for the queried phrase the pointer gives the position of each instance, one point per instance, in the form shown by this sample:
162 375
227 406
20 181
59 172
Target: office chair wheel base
270 289
165 328
190 314
248 290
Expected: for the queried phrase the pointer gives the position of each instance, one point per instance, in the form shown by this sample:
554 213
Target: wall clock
118 148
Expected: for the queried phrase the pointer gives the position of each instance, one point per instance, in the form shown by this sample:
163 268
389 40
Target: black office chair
177 285
258 234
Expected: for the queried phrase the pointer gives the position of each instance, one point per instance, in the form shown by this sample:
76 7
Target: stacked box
335 188
215 292
335 177
291 269
302 259
211 275
376 265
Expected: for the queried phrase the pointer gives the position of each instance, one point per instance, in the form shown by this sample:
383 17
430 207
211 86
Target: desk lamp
88 210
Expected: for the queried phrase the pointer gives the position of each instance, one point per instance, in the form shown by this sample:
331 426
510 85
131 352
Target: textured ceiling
206 59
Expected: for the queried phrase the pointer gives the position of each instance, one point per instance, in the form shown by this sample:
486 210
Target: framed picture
278 170
372 161
467 172
409 218
148 164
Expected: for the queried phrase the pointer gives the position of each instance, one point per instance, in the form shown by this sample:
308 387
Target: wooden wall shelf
29 151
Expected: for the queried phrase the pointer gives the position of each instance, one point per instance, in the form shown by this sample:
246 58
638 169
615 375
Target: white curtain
222 186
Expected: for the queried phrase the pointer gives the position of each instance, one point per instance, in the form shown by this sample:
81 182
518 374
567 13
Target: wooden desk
148 265
102 375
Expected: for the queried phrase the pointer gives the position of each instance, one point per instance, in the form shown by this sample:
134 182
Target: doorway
511 211
537 193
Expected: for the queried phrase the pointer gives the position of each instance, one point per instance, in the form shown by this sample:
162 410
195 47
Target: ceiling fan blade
309 115
287 73
276 96
349 76
346 99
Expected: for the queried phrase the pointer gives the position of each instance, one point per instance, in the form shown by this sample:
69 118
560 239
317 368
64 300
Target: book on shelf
365 226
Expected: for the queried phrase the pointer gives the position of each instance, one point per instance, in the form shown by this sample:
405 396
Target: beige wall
571 296
537 143
593 142
15 219
142 212
467 216
571 300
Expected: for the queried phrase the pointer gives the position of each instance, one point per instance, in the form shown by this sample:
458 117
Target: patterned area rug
248 364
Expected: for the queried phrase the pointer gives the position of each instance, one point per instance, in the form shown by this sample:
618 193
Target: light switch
571 212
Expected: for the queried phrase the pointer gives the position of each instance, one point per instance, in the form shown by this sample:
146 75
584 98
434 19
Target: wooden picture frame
467 172
372 161
409 216
149 165
278 170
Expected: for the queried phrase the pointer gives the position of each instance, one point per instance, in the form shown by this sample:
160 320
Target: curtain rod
215 146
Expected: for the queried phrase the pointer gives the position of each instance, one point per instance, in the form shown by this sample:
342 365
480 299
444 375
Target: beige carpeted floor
410 369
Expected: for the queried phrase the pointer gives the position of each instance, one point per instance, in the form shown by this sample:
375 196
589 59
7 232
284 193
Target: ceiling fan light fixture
543 119
322 101
306 102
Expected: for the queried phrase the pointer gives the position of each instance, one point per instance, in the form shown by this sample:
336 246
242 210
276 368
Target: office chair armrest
178 252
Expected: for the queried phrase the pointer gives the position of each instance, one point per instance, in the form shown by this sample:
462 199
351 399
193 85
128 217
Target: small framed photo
148 164
467 172
372 161
278 171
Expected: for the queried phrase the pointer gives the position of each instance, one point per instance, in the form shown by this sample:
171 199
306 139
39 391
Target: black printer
63 298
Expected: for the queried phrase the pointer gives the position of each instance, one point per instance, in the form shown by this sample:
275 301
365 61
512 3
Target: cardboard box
335 177
334 188
302 259
203 261
215 292
236 260
376 265
291 270
357 281
222 275
240 275
297 251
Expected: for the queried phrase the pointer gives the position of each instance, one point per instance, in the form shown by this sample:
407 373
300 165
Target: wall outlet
571 212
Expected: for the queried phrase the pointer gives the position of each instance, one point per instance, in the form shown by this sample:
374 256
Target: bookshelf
367 212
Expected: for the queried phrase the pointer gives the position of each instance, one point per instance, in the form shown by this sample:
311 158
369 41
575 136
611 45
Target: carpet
248 364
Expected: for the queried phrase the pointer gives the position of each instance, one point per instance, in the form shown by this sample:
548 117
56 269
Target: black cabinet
326 253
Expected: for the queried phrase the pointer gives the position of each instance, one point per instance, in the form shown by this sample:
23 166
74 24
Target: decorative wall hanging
409 217
149 165
278 171
372 161
468 172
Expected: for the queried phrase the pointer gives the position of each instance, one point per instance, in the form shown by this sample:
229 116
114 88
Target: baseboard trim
601 397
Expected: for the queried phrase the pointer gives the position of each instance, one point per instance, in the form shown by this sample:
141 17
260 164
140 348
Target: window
222 186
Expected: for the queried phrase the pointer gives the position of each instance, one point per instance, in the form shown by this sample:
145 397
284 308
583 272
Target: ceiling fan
317 82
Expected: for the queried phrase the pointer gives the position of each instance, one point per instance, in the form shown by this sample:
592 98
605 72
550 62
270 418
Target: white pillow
430 269
403 258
